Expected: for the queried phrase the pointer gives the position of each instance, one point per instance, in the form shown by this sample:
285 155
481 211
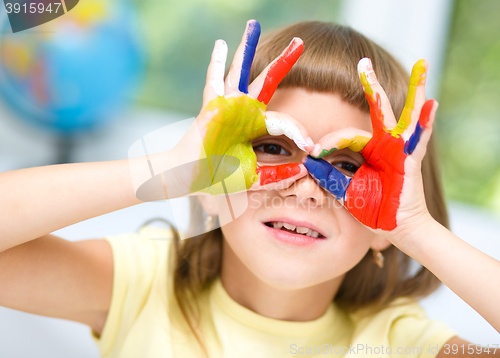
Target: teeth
312 233
302 230
289 226
299 229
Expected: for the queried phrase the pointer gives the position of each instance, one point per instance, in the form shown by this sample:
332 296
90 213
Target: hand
233 115
386 192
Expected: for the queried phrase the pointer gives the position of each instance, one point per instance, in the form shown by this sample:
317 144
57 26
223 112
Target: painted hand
386 191
233 115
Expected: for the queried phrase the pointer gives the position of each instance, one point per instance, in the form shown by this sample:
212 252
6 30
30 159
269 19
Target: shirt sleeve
424 336
403 330
135 262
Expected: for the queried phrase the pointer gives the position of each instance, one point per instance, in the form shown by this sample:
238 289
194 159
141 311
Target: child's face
251 244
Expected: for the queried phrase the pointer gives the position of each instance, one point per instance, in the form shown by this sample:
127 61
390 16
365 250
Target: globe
72 73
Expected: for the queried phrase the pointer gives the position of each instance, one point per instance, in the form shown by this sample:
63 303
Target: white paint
365 66
276 126
219 66
408 29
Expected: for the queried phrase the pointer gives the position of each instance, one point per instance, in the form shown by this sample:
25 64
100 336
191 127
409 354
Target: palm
233 115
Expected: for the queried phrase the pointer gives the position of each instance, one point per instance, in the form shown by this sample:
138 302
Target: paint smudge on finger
279 69
365 66
219 65
274 173
276 127
253 34
417 79
425 115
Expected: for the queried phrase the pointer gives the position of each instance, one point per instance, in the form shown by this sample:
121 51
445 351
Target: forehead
321 113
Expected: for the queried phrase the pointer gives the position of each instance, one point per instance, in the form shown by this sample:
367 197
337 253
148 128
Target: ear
380 243
210 203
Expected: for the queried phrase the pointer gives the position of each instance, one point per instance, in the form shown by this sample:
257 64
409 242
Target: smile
279 225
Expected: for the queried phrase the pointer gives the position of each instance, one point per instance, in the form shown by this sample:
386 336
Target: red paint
275 173
279 69
425 114
373 196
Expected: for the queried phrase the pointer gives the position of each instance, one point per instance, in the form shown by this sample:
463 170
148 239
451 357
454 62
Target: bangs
329 62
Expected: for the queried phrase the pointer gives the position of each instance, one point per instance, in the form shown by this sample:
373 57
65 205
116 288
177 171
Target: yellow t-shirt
143 320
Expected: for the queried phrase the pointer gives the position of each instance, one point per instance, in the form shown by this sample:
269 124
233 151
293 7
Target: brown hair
329 64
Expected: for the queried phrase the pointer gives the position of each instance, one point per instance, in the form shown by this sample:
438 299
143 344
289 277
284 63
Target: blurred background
87 85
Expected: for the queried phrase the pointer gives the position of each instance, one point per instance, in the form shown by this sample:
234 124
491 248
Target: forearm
470 273
37 201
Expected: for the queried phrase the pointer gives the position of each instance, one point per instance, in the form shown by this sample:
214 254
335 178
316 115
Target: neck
302 304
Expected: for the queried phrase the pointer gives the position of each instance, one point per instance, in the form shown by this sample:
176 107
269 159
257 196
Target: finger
328 177
264 86
278 177
423 130
214 86
239 73
414 99
353 138
284 124
380 106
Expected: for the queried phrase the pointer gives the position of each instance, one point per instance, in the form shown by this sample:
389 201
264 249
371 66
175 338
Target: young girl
317 264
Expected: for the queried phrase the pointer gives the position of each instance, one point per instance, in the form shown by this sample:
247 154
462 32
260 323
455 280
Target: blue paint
327 176
253 35
412 142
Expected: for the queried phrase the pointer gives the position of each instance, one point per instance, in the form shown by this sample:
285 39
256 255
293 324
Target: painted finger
328 177
284 124
422 131
214 86
380 106
239 74
415 99
353 138
278 177
264 86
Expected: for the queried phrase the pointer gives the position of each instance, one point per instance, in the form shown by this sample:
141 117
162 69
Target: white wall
408 29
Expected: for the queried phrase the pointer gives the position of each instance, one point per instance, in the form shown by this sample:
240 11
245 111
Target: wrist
408 235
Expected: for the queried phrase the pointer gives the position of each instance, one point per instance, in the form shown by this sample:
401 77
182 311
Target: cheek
288 266
236 212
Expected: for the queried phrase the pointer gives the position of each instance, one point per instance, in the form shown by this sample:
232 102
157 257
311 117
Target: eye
346 166
271 149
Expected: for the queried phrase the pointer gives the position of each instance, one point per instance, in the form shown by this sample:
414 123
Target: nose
306 191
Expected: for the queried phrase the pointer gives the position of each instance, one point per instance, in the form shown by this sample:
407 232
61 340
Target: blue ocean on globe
73 73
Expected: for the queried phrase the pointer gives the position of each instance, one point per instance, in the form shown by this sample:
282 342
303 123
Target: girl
297 272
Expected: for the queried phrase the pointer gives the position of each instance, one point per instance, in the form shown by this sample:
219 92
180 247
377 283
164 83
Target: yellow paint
366 84
417 78
355 144
230 132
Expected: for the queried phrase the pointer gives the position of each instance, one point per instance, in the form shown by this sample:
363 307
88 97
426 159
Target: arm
38 201
53 277
395 207
470 273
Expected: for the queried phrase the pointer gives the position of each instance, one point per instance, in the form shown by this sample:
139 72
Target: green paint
230 132
324 153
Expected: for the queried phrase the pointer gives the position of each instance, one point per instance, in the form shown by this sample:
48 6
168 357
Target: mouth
294 229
